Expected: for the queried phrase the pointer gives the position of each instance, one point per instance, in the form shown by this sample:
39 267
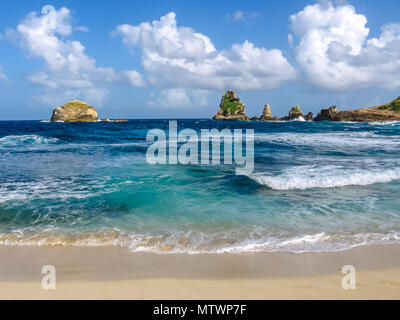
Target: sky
175 58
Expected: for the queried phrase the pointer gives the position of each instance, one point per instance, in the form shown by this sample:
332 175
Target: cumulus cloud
179 57
132 78
69 72
335 53
177 98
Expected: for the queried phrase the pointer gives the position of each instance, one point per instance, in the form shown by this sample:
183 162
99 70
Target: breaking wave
23 140
188 243
325 177
335 140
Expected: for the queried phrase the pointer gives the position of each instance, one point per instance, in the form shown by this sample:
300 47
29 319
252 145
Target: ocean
316 186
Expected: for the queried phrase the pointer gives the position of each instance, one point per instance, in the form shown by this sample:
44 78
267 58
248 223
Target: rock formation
309 116
327 114
386 112
75 111
294 113
231 108
267 114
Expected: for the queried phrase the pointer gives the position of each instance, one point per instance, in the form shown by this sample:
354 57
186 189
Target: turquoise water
315 187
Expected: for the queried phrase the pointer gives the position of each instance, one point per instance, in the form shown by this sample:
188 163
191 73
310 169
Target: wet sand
117 273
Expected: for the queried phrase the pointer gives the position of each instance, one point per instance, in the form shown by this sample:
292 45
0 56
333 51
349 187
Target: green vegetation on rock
230 107
296 109
394 105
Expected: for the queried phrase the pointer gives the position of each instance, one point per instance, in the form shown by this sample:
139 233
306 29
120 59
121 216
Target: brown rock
329 114
309 116
386 112
267 114
75 111
294 113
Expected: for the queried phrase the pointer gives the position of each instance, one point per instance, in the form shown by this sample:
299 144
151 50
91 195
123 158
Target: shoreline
117 273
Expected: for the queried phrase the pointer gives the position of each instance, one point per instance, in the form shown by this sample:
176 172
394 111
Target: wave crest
325 177
32 139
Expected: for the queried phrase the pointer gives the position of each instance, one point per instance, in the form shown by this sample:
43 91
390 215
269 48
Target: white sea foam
332 140
306 177
32 139
189 243
320 242
384 123
300 119
48 188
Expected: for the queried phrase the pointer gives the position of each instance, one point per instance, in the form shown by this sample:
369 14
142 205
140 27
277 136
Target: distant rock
386 112
75 111
294 113
120 120
231 108
309 116
329 114
267 114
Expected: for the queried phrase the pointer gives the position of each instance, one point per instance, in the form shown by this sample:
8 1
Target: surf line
184 147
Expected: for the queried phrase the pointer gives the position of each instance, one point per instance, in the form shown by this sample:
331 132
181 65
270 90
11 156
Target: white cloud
82 28
178 98
237 16
179 57
132 78
242 16
335 53
290 40
69 73
2 75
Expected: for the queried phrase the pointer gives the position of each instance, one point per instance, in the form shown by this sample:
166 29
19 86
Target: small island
78 111
75 111
231 108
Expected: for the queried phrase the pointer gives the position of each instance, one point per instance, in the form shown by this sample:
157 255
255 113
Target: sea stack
328 114
294 113
75 111
267 114
231 108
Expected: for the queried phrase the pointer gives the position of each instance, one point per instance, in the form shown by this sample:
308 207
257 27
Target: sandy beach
116 273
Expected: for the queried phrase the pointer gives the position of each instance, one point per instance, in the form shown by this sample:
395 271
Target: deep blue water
315 187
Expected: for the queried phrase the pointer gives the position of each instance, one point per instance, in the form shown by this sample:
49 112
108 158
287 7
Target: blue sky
338 53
